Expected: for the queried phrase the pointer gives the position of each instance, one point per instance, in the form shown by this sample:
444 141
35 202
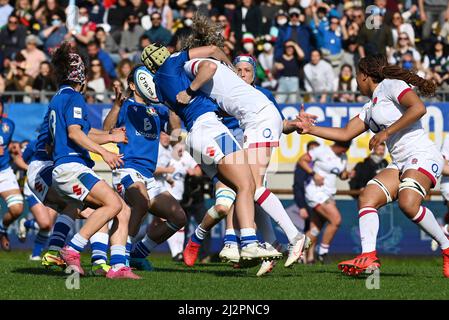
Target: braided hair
378 68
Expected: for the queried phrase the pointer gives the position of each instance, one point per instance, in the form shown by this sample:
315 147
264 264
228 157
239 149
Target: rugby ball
143 79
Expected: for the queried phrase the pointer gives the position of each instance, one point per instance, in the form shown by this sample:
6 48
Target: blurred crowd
307 45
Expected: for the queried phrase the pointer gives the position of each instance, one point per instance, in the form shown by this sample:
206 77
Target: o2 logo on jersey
435 168
376 127
177 176
336 171
267 133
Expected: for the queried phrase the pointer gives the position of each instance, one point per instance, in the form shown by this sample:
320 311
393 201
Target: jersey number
147 124
52 124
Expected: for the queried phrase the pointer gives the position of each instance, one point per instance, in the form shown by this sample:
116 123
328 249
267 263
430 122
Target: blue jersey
6 132
28 153
143 125
67 108
43 140
232 123
170 79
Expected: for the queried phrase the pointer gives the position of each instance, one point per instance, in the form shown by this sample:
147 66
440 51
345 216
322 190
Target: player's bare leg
372 198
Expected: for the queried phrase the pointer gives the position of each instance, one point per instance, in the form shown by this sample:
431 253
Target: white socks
426 220
369 227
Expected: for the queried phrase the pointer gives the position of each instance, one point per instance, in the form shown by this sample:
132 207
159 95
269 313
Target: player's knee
15 204
114 206
45 225
124 214
336 221
408 204
365 200
222 210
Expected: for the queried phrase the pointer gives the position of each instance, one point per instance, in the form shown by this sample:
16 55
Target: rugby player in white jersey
329 162
393 114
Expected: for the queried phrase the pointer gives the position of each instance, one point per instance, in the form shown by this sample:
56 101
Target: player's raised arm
209 52
111 119
205 72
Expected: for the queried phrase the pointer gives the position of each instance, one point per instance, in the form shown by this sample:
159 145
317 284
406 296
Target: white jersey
182 165
328 165
232 94
163 160
384 109
445 148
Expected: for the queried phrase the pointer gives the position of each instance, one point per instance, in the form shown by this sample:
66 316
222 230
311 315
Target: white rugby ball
143 79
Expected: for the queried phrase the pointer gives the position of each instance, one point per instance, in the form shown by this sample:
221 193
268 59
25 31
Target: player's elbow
209 66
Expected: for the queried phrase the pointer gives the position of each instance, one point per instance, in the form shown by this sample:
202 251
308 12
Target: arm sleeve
75 113
315 153
396 89
364 114
191 67
164 115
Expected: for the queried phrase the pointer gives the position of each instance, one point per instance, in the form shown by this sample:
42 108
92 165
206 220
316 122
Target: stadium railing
108 96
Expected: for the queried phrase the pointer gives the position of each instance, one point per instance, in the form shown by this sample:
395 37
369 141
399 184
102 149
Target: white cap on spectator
31 38
294 10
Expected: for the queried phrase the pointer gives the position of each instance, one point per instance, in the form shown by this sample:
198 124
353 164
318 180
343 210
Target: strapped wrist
191 92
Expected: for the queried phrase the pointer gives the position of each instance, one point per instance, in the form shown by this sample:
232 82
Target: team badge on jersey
210 151
5 128
77 113
414 161
151 111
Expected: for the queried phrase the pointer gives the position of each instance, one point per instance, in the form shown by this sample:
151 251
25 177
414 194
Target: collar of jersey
134 102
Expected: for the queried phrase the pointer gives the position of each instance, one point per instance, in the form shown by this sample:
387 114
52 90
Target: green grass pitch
401 278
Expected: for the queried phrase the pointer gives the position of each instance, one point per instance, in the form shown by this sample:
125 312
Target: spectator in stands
5 11
268 9
444 32
144 41
129 43
329 38
139 8
96 11
45 12
183 31
98 79
345 82
289 4
229 50
18 80
367 169
403 48
248 44
299 179
33 56
157 33
165 11
375 38
228 34
107 42
247 18
55 34
24 12
94 51
12 39
399 26
319 78
116 17
296 32
287 69
349 30
266 62
45 81
432 11
91 96
84 32
437 63
123 69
